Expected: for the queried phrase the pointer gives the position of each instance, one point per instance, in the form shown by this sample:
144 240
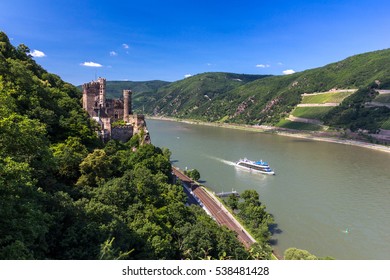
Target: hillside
66 195
268 99
183 98
114 88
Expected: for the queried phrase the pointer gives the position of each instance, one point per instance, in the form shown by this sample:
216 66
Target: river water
330 199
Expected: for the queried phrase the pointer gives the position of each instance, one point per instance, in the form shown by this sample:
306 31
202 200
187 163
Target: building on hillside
114 116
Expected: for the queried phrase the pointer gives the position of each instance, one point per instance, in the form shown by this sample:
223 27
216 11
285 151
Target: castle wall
122 133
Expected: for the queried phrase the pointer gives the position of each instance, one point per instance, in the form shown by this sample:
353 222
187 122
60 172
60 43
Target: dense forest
66 195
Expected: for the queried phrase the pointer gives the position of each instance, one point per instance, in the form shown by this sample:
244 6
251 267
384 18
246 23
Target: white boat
258 166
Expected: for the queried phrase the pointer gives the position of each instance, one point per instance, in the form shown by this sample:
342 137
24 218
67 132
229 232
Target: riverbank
216 209
315 136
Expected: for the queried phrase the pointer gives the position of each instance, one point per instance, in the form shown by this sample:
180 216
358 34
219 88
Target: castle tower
90 90
102 92
126 104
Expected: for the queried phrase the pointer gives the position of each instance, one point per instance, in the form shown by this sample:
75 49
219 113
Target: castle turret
102 92
89 97
126 104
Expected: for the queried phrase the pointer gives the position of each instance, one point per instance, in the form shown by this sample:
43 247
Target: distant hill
114 88
252 99
184 98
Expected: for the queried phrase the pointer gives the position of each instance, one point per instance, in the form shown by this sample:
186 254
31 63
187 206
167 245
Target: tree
193 174
167 153
25 140
23 222
298 254
69 156
96 167
232 201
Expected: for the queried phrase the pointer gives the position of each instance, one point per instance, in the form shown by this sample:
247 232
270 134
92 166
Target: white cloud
36 53
125 46
288 72
187 75
91 64
263 65
113 53
280 64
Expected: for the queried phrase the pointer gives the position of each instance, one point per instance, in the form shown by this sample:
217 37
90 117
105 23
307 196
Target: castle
114 116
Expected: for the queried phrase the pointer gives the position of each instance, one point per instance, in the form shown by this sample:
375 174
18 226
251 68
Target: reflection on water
330 199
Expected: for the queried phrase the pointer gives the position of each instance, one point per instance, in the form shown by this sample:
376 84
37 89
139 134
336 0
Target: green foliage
68 156
353 115
298 254
383 98
65 195
23 223
118 123
114 88
386 125
255 217
311 112
329 97
192 96
193 174
298 125
167 153
232 201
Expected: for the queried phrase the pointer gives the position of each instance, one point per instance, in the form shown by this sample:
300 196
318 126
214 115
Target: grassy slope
298 125
311 112
330 97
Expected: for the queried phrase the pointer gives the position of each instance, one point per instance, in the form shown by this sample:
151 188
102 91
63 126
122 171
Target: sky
170 40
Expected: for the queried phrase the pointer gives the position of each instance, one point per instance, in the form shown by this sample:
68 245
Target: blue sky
167 40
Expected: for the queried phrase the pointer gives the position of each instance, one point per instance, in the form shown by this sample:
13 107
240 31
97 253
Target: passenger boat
258 166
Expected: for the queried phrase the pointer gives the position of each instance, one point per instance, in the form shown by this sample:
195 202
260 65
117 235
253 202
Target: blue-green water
330 199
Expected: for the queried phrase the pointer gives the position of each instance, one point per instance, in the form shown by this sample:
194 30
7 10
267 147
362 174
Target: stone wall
122 133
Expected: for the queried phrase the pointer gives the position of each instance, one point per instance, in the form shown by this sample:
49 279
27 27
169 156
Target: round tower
102 92
126 104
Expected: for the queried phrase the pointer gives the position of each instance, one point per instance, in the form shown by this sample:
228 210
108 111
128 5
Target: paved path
304 120
318 104
330 91
377 104
216 209
383 91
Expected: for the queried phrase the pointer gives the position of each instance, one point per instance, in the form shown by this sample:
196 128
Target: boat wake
222 160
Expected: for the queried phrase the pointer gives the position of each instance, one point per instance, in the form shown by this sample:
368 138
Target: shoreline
277 131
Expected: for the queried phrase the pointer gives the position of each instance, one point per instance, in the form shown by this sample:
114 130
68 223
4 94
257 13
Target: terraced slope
313 109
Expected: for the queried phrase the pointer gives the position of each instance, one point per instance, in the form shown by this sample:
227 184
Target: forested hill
66 195
267 100
183 98
114 88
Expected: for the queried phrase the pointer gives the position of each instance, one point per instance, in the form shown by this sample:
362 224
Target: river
330 199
